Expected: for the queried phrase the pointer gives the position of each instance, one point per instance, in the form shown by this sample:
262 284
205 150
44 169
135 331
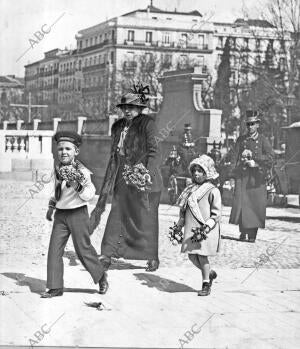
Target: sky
21 19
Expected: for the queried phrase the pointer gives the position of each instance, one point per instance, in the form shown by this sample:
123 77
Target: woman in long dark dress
132 227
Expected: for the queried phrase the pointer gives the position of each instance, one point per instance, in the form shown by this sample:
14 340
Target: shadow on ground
35 285
285 219
226 237
162 284
122 265
38 286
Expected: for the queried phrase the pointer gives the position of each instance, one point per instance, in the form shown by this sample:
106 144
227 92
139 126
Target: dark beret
68 136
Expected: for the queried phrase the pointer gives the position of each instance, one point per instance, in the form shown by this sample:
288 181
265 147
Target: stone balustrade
30 149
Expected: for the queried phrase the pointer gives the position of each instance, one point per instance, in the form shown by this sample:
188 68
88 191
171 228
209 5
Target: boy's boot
103 284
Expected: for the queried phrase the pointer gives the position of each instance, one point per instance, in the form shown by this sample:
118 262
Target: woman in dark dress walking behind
132 227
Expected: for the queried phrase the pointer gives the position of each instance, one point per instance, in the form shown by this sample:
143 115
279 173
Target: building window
105 36
282 64
112 57
86 43
246 43
168 59
96 40
183 60
271 42
79 65
233 43
166 38
149 37
220 41
201 41
100 38
257 44
80 44
90 62
183 39
200 60
130 36
112 35
91 41
257 60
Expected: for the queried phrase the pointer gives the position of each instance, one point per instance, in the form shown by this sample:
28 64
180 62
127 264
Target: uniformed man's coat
250 196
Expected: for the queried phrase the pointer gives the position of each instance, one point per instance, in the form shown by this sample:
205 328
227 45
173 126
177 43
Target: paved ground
248 308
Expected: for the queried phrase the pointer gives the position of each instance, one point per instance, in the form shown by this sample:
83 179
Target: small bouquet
199 234
137 176
246 156
175 234
70 173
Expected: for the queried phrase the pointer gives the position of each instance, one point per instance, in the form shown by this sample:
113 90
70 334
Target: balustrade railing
16 144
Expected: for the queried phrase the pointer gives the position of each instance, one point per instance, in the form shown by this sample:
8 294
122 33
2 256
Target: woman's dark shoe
103 284
152 265
55 292
205 289
251 240
212 276
243 237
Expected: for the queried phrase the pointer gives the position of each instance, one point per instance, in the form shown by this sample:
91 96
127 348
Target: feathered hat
136 96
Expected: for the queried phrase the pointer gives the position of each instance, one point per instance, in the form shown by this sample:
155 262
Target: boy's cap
68 136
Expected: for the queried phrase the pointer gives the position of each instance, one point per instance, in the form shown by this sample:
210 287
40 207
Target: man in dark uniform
252 157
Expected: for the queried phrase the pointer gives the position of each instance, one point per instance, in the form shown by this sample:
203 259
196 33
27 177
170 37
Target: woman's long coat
250 196
132 227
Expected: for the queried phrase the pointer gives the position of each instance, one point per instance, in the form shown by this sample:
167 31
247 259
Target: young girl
200 207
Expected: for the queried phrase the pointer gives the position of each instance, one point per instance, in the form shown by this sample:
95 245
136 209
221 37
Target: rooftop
11 81
153 9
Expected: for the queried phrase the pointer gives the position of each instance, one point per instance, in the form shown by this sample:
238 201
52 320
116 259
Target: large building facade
139 45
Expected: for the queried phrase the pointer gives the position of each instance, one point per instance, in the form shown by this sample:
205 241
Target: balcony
130 65
94 67
168 45
97 88
67 72
197 46
95 47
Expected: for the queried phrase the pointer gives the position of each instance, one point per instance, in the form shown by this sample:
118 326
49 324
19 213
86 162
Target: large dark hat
136 96
68 136
252 116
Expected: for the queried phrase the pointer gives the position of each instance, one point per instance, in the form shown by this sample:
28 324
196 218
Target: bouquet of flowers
137 176
199 234
175 234
70 173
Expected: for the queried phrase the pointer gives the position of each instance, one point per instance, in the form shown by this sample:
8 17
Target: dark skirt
249 202
131 231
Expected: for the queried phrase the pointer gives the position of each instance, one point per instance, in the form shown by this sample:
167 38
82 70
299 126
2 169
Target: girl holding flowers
200 214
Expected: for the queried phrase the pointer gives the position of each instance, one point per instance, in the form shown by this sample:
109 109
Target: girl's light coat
204 206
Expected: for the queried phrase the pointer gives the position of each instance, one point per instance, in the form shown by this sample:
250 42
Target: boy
72 192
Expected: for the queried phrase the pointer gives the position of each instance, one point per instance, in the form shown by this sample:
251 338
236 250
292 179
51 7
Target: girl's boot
205 289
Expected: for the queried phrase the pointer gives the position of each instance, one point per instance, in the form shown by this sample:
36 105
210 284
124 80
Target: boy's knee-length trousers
74 222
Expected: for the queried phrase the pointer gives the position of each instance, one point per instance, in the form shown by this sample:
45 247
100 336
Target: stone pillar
34 146
46 146
182 104
19 124
80 122
36 124
5 125
55 123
